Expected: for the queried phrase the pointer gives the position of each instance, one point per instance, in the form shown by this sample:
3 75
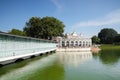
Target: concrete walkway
11 59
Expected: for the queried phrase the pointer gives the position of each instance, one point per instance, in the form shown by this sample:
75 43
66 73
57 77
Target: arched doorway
83 44
63 44
72 43
67 43
80 43
76 43
86 43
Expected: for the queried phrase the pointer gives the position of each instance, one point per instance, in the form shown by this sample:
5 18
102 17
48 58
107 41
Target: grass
109 46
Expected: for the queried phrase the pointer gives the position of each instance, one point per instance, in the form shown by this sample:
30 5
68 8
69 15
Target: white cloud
58 6
109 19
56 3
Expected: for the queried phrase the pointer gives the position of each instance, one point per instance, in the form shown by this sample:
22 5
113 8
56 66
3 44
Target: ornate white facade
73 40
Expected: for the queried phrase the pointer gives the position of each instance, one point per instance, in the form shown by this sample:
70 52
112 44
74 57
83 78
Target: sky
86 17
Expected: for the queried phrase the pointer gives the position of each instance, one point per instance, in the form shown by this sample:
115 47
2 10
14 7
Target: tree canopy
45 28
117 39
95 40
17 32
33 27
107 35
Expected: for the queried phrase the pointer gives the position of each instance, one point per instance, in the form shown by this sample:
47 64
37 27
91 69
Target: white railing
11 45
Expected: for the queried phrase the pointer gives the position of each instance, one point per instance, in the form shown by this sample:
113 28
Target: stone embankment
92 49
95 49
73 49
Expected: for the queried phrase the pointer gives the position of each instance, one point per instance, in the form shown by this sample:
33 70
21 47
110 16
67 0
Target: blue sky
82 16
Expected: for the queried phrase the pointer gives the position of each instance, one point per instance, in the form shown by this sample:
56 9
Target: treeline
107 36
44 28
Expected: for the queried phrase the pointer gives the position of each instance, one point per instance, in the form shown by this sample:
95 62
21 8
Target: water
104 65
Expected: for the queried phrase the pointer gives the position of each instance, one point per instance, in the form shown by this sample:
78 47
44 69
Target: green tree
107 35
117 39
52 27
45 28
95 40
17 32
33 27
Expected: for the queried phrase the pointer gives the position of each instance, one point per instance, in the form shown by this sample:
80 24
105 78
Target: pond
104 65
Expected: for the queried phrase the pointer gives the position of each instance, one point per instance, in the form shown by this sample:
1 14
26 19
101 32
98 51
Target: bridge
14 47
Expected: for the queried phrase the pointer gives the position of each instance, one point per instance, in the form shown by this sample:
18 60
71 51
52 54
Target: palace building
73 40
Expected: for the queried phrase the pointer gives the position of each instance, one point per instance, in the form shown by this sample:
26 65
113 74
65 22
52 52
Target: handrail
24 37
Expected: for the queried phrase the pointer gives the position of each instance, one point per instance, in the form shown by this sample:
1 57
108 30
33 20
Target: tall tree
17 32
95 40
33 27
107 35
117 39
45 28
52 27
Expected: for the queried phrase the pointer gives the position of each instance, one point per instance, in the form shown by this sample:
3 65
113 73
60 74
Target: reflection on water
31 68
74 58
109 56
66 66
